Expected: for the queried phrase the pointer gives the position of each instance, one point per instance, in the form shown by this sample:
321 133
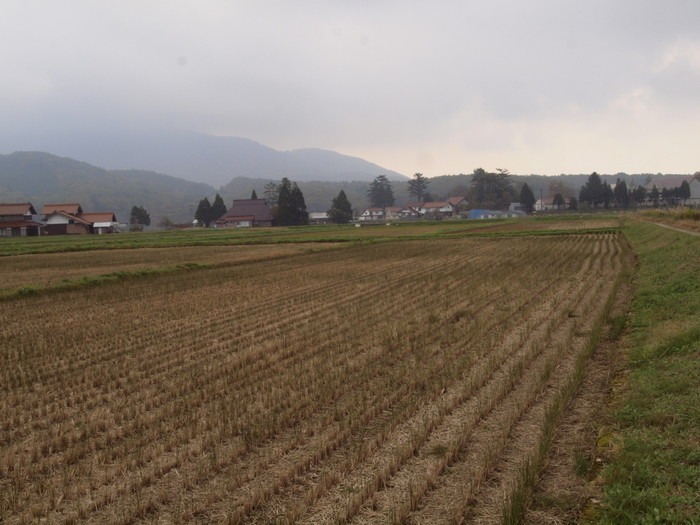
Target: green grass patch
655 477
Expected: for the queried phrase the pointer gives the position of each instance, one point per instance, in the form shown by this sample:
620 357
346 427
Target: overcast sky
442 87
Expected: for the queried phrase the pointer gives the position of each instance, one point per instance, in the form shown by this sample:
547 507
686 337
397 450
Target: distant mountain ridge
199 157
42 178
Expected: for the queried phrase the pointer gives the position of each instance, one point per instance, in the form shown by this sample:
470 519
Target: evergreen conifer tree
380 193
291 206
218 208
203 213
418 187
527 198
341 209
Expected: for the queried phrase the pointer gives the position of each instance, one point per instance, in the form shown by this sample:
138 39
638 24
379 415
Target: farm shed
102 222
16 220
495 214
246 213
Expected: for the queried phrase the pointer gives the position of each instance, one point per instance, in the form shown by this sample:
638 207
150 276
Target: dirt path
682 230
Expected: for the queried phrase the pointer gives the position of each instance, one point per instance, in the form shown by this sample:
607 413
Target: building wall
694 192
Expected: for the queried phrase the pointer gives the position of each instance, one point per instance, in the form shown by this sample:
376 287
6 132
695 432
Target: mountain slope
43 178
199 157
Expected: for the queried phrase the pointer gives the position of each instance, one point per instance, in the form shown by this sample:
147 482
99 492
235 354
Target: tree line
597 193
490 190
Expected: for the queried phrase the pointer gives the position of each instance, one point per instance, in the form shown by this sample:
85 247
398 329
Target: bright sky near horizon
543 86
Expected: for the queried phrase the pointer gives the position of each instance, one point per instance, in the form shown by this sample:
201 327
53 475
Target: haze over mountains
195 156
41 178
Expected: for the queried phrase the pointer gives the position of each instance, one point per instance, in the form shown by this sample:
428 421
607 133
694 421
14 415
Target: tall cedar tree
299 205
684 191
218 208
139 215
203 213
654 195
380 194
291 206
608 195
527 198
639 194
593 191
253 195
559 201
622 194
418 187
493 190
341 209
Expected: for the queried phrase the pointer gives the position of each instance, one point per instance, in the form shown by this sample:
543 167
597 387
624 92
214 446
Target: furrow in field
411 483
313 490
453 496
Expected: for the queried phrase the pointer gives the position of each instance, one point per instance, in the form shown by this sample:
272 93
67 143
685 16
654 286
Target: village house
319 217
544 204
414 210
102 222
17 220
393 213
409 212
372 214
437 209
671 183
694 199
246 213
69 219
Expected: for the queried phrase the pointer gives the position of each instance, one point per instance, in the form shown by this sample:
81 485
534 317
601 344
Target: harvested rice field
415 381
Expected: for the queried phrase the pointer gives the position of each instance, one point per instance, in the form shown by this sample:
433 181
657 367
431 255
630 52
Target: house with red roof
246 213
70 219
437 209
17 220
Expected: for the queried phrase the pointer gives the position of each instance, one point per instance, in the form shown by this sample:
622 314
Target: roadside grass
681 217
655 475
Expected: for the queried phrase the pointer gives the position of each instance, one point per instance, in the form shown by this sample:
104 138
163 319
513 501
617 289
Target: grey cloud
329 74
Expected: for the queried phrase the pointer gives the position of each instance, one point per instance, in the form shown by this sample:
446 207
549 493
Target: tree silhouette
527 198
418 187
341 209
380 194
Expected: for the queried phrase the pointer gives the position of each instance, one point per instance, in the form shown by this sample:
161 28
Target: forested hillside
43 178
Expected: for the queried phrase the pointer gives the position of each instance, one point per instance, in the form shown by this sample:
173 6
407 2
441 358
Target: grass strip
654 477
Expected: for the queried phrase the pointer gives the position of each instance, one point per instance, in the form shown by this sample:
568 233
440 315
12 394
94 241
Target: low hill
198 157
43 178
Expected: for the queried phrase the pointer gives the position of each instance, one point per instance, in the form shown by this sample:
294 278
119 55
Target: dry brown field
398 382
